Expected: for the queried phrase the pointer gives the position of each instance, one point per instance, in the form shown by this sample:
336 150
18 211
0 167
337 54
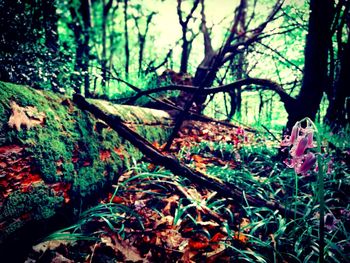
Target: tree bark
339 94
315 80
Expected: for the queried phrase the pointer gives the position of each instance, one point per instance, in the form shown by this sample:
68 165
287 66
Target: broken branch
226 189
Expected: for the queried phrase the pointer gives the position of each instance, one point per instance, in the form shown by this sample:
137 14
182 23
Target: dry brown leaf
244 225
27 117
188 255
197 158
49 245
171 200
61 259
165 220
130 253
171 238
219 255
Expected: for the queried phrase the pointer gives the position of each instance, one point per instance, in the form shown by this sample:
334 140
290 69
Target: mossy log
56 159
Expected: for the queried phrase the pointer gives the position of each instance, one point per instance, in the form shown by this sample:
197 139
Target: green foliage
114 216
32 55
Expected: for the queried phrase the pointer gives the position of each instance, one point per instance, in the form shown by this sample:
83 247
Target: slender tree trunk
126 36
186 41
86 12
185 52
142 47
104 47
106 8
236 95
81 26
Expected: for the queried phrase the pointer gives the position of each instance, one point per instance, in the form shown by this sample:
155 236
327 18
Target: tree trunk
104 47
126 35
50 25
56 160
86 14
315 80
185 53
51 38
239 72
339 105
81 26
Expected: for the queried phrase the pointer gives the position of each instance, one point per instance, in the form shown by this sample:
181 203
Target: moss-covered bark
61 157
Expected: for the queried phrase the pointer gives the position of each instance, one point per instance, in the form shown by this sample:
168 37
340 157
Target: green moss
67 133
154 134
40 202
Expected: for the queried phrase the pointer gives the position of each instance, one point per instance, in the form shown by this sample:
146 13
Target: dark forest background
267 52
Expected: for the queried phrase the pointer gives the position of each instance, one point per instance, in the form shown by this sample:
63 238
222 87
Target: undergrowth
161 215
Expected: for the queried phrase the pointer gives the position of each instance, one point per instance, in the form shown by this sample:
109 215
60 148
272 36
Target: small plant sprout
303 160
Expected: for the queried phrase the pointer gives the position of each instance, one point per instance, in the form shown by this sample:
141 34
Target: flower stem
321 201
296 196
320 184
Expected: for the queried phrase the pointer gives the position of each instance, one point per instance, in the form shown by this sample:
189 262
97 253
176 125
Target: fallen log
56 160
224 189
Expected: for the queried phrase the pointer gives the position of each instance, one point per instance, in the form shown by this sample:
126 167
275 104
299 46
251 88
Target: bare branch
281 56
183 22
262 83
253 13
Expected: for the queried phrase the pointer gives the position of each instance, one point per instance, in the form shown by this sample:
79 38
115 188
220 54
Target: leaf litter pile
152 215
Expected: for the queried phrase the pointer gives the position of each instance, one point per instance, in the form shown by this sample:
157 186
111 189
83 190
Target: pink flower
289 140
240 131
307 163
299 148
310 140
300 139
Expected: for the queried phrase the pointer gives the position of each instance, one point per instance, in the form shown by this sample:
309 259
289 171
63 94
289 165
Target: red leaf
105 155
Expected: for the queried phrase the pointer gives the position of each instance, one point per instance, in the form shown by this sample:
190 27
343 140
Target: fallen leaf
120 152
49 245
27 117
61 259
197 158
129 252
10 149
240 237
198 241
105 155
244 225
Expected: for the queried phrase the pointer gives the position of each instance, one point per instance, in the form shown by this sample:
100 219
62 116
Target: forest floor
152 215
